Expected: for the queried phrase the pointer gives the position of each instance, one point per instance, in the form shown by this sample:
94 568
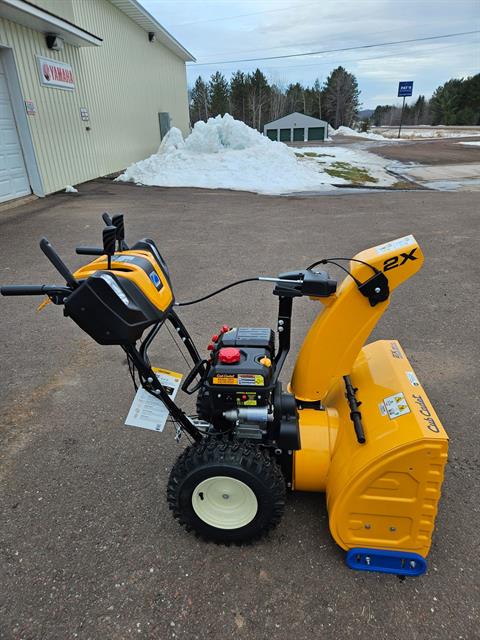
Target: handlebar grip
58 263
23 290
107 219
89 251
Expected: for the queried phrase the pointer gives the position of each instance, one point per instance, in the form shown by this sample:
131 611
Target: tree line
251 98
457 102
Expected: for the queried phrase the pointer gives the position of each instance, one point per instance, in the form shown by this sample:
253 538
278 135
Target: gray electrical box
164 120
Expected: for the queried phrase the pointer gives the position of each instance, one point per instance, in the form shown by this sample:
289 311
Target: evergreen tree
317 99
199 101
295 98
445 103
218 94
239 96
341 98
258 99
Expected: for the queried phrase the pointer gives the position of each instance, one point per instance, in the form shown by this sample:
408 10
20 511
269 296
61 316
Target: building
296 127
86 88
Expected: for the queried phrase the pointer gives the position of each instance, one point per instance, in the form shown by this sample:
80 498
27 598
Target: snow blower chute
354 422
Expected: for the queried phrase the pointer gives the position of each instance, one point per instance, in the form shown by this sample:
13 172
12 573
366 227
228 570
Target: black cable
357 282
172 335
326 260
214 293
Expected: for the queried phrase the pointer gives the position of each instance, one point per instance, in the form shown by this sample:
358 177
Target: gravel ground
441 151
88 548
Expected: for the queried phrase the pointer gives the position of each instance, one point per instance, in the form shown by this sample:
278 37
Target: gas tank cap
229 355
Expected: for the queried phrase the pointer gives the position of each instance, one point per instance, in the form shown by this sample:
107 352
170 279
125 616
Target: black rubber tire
241 460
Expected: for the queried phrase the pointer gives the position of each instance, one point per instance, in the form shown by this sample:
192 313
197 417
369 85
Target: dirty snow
224 153
375 165
472 144
425 132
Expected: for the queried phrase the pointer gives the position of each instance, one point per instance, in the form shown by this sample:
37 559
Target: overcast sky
222 30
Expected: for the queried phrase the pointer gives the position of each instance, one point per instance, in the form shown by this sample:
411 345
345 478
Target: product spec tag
149 412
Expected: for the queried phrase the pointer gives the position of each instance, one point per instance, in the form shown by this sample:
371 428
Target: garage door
13 175
316 133
285 135
299 135
272 134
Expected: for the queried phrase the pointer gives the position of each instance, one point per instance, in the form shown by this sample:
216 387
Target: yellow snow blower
354 422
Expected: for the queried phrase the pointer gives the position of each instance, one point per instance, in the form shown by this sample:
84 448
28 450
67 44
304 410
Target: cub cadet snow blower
354 421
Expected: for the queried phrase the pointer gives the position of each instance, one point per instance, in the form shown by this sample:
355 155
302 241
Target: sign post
405 89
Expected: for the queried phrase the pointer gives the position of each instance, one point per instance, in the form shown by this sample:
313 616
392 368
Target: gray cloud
282 27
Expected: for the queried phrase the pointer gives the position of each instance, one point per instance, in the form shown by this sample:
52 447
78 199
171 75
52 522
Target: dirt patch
447 151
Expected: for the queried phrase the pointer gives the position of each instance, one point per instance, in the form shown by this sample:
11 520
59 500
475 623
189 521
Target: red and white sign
55 74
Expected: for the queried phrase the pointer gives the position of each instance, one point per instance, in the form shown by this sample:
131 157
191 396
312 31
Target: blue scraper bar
401 563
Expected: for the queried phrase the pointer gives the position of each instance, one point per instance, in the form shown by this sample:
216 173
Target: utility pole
401 118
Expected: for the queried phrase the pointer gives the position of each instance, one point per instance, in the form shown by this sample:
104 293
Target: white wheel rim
224 502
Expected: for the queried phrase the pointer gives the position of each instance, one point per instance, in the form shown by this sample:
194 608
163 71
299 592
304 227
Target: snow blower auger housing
354 421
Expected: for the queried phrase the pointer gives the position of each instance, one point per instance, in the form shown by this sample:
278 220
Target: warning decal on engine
225 380
394 406
244 380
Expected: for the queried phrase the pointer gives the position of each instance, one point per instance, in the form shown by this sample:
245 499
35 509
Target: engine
240 392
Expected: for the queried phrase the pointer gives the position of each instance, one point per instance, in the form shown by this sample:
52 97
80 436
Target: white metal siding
124 84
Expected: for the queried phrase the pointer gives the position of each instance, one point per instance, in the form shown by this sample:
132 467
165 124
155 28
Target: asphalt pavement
88 548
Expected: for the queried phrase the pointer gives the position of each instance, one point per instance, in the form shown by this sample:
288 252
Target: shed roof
300 117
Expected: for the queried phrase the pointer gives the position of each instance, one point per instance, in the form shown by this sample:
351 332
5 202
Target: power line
316 53
242 15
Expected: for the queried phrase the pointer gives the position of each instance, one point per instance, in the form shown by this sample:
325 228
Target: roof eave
33 17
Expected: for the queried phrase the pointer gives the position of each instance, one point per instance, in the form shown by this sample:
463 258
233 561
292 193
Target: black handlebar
90 251
58 263
23 290
32 289
107 219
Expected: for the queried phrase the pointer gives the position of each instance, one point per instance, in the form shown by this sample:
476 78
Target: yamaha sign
55 74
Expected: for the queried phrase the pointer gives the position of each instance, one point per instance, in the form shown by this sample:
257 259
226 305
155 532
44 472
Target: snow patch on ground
224 153
346 131
472 144
376 166
426 132
70 189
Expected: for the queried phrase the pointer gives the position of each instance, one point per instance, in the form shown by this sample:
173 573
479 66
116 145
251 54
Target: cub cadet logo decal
394 262
427 416
396 353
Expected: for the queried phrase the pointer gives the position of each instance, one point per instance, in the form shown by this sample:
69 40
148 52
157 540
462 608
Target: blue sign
405 89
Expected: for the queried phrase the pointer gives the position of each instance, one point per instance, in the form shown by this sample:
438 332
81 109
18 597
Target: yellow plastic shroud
384 493
135 273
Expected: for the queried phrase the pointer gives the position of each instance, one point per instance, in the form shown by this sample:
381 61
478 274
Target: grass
312 154
346 171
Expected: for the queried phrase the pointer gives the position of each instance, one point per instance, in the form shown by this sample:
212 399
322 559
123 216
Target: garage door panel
13 174
14 162
316 133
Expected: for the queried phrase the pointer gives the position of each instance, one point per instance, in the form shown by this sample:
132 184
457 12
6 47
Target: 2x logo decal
397 261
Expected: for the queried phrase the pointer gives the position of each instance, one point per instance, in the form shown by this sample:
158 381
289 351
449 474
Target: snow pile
470 144
346 131
224 153
70 189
